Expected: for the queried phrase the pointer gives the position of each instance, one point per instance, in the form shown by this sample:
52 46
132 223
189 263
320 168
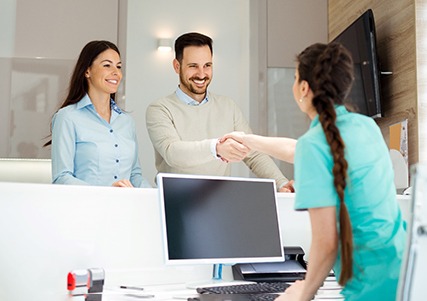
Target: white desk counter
48 230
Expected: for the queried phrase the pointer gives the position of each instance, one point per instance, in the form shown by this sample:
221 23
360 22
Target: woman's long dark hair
328 69
78 83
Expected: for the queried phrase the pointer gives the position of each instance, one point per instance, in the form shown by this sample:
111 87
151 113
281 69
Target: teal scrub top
370 196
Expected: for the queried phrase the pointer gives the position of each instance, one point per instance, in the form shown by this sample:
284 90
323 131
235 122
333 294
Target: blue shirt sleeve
63 151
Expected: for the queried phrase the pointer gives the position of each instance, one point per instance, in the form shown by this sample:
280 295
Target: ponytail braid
327 119
331 80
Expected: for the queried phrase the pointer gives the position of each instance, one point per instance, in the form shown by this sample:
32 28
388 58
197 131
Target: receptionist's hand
293 293
237 136
231 150
122 183
288 187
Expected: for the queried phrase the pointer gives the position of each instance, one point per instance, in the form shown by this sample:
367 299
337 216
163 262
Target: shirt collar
85 101
339 110
188 100
115 107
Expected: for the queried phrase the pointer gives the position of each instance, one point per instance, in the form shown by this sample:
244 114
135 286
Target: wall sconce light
164 45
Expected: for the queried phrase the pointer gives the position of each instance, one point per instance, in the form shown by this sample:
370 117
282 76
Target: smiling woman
93 140
103 77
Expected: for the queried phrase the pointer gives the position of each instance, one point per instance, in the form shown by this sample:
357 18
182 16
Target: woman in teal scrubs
344 178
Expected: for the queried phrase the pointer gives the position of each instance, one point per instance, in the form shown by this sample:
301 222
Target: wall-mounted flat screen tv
360 39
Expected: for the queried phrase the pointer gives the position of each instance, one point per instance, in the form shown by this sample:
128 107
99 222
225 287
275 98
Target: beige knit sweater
181 135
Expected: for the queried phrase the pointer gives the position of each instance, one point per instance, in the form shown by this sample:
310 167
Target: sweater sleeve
264 167
168 143
260 164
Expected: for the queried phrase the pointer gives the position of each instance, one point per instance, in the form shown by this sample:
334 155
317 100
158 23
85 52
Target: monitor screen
219 219
360 39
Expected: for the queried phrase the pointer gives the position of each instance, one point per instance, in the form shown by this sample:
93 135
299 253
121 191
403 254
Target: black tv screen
360 39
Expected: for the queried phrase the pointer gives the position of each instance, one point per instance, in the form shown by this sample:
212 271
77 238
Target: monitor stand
216 279
217 272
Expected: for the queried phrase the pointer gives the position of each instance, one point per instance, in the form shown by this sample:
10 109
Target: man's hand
288 187
231 151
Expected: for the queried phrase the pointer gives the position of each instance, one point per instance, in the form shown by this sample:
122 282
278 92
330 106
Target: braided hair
328 69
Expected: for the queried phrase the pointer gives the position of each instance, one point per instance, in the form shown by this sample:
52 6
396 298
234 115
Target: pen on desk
132 287
139 296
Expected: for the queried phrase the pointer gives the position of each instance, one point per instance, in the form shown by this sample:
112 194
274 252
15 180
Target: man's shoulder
165 100
166 103
172 100
222 100
215 96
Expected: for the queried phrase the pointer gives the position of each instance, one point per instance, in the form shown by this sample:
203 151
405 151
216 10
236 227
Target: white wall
292 26
149 74
59 29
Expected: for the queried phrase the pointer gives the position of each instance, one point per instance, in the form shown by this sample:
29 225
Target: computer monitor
219 220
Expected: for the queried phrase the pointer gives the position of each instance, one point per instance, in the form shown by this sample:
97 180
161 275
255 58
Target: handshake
232 147
235 146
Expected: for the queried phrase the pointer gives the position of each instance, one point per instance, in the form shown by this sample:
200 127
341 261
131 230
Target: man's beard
190 86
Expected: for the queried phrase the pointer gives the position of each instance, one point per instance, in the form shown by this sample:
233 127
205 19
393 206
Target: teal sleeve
313 175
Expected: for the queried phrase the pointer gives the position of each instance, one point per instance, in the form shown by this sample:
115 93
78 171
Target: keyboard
235 297
252 288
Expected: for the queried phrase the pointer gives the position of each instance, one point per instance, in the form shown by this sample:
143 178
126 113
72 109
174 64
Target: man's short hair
191 39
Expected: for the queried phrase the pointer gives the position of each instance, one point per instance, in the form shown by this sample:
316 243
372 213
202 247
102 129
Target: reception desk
48 230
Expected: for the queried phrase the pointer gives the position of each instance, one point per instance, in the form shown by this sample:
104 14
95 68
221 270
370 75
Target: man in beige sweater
185 126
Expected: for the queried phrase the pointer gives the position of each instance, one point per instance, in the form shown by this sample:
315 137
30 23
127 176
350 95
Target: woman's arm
63 151
323 253
278 147
324 248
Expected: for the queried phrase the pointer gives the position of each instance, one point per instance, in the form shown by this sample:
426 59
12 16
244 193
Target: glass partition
40 42
284 116
32 93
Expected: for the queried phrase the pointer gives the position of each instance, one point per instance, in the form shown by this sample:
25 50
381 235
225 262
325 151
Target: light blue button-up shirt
87 150
188 100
